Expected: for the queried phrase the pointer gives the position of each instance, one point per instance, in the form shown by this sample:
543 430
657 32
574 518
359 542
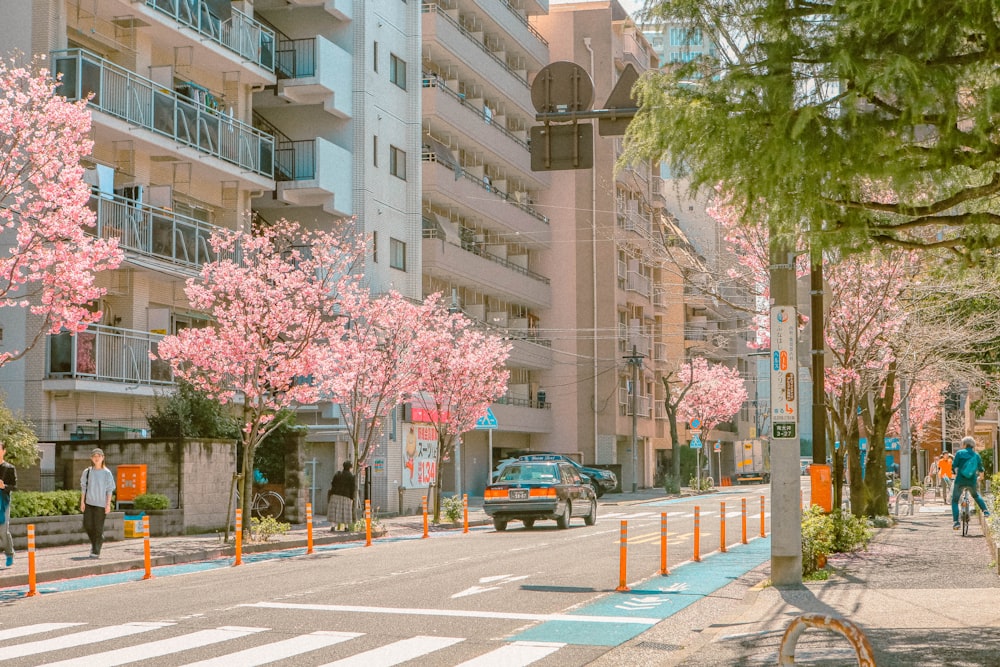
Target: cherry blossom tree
48 260
462 372
380 343
674 391
715 393
275 300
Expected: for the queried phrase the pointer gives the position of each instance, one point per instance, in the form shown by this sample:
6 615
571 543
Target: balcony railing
507 399
154 232
296 58
108 354
431 81
431 231
141 102
523 19
440 11
484 183
643 404
240 34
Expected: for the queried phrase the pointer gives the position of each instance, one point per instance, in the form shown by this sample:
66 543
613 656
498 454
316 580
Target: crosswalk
45 641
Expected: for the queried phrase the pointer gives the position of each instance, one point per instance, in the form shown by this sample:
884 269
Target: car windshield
539 473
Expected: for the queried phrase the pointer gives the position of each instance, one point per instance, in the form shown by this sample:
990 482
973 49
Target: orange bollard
722 527
465 512
762 517
309 528
146 558
424 503
623 558
663 544
697 534
239 538
31 560
743 539
368 523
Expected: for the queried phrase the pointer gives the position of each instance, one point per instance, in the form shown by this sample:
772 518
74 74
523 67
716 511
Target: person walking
947 475
8 483
97 484
340 500
967 467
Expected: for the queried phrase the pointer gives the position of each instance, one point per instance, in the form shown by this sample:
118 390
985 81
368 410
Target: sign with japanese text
784 379
419 456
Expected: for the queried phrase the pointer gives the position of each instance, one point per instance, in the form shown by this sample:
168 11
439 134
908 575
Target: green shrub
671 485
824 534
452 507
151 501
704 485
47 503
263 529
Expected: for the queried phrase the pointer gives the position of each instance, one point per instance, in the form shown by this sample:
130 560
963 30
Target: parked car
527 491
601 480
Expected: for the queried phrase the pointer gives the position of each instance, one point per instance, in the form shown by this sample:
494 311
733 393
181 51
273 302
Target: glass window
397 162
397 254
397 71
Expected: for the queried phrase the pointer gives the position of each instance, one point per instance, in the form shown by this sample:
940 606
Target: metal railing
154 232
144 103
240 34
296 58
636 282
643 404
108 354
507 399
432 8
524 20
295 160
431 81
431 232
430 156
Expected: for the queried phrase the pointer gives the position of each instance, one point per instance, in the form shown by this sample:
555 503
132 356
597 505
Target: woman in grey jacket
97 484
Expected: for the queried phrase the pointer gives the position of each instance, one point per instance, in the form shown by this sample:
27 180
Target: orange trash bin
822 489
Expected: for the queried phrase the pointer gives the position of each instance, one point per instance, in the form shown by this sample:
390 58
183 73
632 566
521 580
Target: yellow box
133 528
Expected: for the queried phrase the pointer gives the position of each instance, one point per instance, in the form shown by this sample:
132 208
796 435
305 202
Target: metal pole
635 360
904 442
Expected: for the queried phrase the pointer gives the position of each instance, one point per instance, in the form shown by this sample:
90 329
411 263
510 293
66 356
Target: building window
397 70
397 254
375 57
375 247
375 150
397 162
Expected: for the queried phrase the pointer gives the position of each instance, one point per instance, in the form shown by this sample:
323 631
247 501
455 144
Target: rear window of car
541 474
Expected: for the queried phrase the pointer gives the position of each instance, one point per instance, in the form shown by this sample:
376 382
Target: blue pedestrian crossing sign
487 422
695 442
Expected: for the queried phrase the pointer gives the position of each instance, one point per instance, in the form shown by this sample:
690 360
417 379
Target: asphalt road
543 596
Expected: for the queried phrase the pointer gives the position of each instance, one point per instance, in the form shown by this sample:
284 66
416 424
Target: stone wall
207 468
52 531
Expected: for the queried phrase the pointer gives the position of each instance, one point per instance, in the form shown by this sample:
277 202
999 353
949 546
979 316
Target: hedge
44 503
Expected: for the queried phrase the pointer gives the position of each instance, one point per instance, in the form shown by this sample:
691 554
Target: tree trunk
246 494
854 474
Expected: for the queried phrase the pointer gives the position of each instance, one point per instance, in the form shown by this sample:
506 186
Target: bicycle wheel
269 503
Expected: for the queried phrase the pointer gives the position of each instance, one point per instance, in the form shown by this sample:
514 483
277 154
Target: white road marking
35 629
287 648
461 613
517 654
397 652
79 639
159 648
475 590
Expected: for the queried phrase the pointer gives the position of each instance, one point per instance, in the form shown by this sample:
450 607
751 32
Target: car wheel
563 519
499 524
529 523
598 490
591 518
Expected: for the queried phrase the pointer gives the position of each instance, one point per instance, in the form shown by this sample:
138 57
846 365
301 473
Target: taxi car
526 491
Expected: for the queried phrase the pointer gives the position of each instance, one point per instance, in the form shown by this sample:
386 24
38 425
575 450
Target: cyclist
967 466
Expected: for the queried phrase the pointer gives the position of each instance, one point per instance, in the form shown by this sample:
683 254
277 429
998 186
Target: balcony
657 197
150 233
636 282
107 360
238 34
498 276
643 405
339 9
311 172
523 415
139 102
516 27
477 197
315 71
633 221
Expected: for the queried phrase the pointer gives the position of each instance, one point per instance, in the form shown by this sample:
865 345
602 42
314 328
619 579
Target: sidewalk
921 593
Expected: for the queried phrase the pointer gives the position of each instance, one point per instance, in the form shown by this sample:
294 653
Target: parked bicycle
265 503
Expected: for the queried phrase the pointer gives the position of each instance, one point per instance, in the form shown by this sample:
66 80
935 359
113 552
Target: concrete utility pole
635 361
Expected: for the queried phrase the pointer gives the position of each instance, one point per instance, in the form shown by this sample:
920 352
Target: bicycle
965 510
266 503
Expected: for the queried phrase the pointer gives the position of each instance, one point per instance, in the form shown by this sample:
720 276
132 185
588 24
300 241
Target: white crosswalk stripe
397 652
287 648
159 648
517 654
78 639
36 629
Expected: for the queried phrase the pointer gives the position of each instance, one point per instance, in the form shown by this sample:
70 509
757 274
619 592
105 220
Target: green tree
190 413
888 135
19 437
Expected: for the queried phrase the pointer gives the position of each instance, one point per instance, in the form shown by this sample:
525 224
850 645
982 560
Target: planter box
51 531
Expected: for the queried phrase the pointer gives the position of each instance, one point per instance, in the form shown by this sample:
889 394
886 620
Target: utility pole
819 471
635 361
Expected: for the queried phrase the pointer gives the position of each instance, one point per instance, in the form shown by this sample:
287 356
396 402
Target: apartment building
618 305
485 236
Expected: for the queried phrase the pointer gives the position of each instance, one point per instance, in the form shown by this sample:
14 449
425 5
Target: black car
530 490
601 480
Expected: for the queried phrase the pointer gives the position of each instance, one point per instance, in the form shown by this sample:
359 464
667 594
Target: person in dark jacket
967 467
340 500
8 483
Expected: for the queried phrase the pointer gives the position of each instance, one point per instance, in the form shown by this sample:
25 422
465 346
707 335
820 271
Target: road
543 596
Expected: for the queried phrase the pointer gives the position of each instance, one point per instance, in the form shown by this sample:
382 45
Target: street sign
620 98
558 147
695 442
717 447
783 431
784 394
562 86
695 423
487 422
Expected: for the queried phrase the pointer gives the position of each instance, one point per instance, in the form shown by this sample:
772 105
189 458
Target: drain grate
659 646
